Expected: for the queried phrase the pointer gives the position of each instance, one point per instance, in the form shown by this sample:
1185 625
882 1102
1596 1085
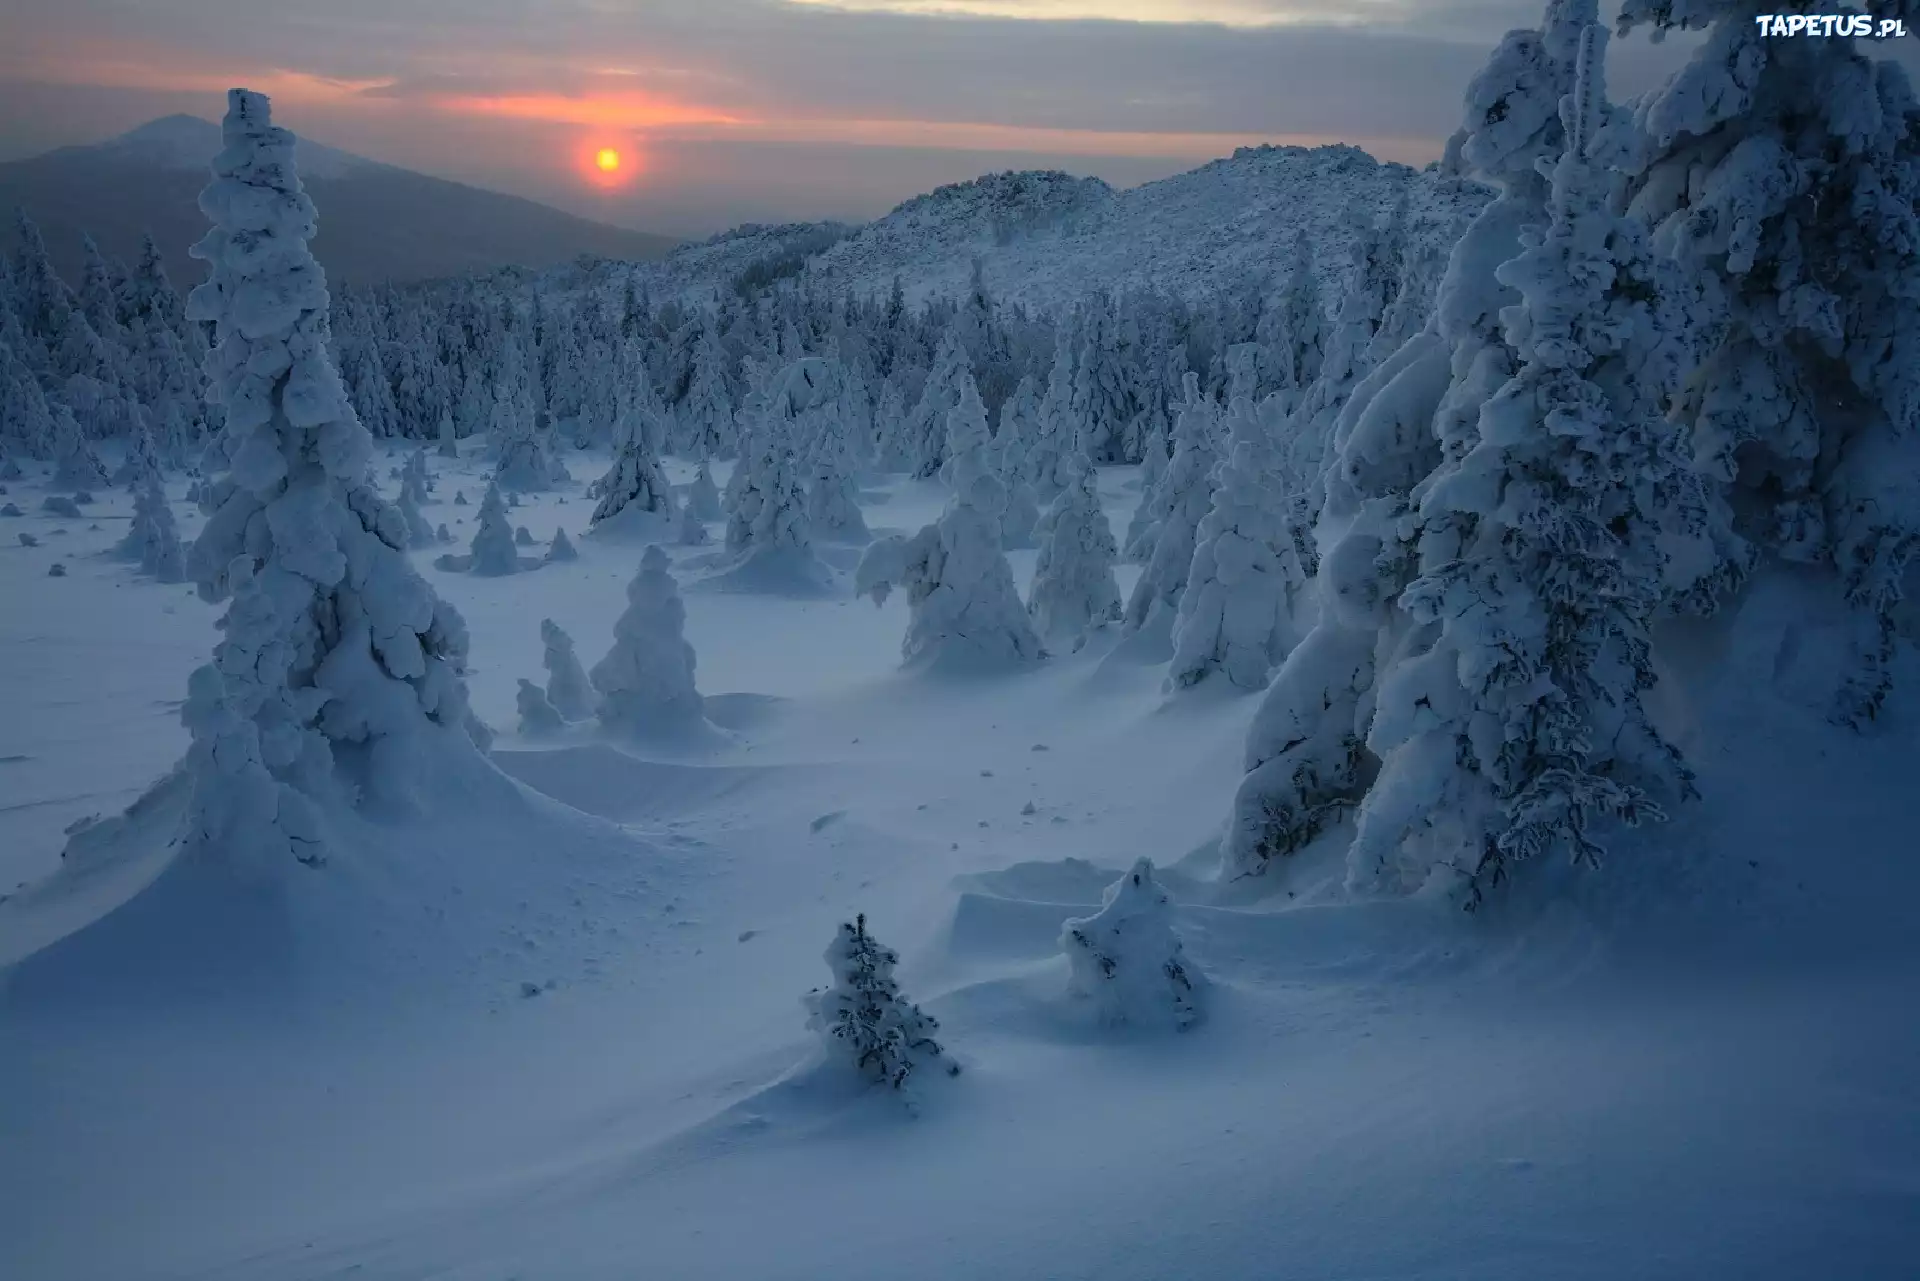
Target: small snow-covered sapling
864 1022
1127 958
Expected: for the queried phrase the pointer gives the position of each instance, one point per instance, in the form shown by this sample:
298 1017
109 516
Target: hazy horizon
731 111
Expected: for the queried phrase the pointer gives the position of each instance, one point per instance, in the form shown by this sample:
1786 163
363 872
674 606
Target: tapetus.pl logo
1847 25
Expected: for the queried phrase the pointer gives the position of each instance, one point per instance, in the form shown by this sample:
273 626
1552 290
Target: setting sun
607 160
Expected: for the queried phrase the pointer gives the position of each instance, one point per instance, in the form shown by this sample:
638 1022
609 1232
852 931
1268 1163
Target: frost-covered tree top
331 644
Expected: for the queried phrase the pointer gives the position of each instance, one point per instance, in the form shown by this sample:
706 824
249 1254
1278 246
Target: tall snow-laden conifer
962 601
1783 171
1516 728
1185 496
1306 759
1073 587
332 647
1236 614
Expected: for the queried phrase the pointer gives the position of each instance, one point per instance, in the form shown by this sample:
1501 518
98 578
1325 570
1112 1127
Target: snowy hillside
1047 238
1249 732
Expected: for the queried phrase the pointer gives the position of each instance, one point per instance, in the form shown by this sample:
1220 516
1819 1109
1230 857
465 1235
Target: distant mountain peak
188 142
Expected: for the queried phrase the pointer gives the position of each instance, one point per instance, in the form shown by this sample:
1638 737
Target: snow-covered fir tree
703 496
962 602
1127 959
142 459
568 688
1236 613
1292 333
332 647
538 718
693 530
561 549
1546 553
1306 759
1073 585
75 463
525 464
833 496
926 428
419 530
646 681
768 514
864 1023
634 488
1185 497
1101 405
1780 173
153 539
707 413
493 551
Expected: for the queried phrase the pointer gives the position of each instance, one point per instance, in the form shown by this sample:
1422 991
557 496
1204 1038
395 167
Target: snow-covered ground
568 1044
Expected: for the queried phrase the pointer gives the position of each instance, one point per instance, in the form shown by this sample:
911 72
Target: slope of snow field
528 1041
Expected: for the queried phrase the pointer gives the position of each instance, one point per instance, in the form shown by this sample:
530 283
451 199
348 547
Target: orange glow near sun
609 164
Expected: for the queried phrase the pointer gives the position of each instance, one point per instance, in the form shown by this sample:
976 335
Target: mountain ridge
379 223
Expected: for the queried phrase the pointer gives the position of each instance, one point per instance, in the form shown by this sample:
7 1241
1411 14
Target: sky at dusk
725 111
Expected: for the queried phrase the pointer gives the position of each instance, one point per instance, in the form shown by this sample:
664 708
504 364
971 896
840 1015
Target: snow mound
428 905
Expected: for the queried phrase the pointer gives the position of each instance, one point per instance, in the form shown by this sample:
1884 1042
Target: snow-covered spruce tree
493 551
568 688
1020 523
524 466
1236 612
561 549
419 531
1292 332
703 496
1055 428
863 1021
634 487
1783 171
1101 404
1186 497
968 442
154 539
892 452
926 428
1517 729
646 681
833 496
693 530
537 715
1128 960
1073 586
332 647
1350 352
1306 759
142 460
767 519
962 602
75 464
449 443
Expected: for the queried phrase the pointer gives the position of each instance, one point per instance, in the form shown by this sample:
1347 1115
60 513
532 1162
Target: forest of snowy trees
1432 508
